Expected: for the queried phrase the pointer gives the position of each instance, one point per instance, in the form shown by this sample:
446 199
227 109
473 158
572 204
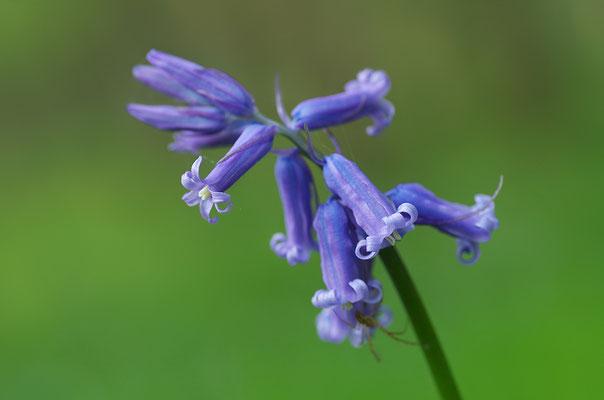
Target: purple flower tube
253 144
345 276
296 188
469 224
362 97
373 212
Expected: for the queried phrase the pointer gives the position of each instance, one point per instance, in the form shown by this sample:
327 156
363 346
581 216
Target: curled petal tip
362 245
467 252
360 291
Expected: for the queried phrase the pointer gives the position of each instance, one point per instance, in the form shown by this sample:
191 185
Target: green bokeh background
111 288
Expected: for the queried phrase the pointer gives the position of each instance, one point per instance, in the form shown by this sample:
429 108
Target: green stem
295 136
421 323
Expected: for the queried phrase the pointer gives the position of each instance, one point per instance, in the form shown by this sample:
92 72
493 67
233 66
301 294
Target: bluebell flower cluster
351 226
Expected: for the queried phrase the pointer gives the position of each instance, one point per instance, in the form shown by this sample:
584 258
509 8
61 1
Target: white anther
205 193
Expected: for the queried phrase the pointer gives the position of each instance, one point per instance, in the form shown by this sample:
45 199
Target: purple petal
385 316
224 92
295 188
163 82
190 182
362 97
361 251
201 118
332 327
205 207
195 167
344 274
191 198
253 144
326 299
178 68
278 100
278 244
375 292
470 225
357 290
221 198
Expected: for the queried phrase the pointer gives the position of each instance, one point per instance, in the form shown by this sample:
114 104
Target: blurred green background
111 288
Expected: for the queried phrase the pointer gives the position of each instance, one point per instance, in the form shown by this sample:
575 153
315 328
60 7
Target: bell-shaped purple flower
373 212
215 86
253 144
345 276
193 141
469 224
163 82
204 119
362 97
296 188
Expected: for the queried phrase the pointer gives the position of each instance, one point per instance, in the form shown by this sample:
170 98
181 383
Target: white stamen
205 193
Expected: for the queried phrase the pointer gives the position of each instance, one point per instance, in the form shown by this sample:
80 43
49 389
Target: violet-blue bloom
163 82
345 277
469 224
206 119
373 212
362 97
193 141
296 188
253 144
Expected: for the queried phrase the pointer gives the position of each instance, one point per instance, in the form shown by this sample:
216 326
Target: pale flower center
205 193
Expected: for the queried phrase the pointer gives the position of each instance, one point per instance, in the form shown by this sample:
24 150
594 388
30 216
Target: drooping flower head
373 212
253 144
362 97
345 276
469 224
296 188
215 102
